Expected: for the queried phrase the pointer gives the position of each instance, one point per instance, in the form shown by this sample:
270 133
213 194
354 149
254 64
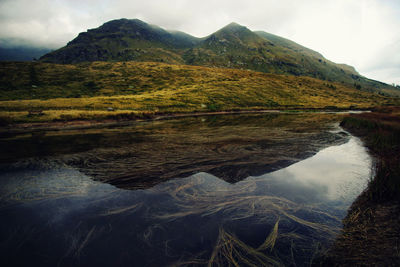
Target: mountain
124 40
233 46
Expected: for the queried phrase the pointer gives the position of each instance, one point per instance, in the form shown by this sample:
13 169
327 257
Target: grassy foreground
44 92
371 232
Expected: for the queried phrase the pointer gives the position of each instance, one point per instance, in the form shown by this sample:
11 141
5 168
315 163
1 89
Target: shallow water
53 213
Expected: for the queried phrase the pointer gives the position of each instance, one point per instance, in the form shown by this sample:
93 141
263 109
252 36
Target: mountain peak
233 26
234 34
115 25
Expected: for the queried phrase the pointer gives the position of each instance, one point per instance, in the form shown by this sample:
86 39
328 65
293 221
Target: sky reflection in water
336 173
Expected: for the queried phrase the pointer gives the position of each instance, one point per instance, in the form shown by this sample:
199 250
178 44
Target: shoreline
371 229
27 127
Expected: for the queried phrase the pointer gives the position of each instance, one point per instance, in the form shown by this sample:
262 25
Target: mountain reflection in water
55 214
141 156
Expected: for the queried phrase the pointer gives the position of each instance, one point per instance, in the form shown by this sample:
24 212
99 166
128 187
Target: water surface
261 190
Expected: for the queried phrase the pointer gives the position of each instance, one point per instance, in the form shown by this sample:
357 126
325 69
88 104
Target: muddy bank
19 128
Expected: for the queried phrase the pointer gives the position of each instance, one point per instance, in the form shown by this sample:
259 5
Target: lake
255 189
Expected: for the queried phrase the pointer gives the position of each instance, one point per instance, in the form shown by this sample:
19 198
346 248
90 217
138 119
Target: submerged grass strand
229 250
269 242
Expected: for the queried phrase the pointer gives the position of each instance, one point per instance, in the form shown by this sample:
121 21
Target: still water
246 190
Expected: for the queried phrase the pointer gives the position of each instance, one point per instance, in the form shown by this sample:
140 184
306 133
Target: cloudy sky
361 33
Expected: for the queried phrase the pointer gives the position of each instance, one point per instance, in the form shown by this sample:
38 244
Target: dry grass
73 91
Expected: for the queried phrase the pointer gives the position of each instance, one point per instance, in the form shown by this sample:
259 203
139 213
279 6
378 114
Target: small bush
213 106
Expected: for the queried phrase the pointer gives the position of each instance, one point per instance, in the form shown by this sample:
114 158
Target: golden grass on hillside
125 87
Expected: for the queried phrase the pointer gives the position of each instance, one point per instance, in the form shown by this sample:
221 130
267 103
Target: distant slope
233 46
312 63
22 53
286 43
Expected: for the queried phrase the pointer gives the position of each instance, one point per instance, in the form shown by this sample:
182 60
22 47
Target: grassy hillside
47 92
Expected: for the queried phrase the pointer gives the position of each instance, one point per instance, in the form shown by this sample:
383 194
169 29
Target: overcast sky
361 33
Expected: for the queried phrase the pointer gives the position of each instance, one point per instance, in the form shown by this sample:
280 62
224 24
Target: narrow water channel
251 190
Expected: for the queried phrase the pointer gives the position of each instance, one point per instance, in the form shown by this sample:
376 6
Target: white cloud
362 33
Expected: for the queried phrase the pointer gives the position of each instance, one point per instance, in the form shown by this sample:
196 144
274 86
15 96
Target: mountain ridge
233 46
